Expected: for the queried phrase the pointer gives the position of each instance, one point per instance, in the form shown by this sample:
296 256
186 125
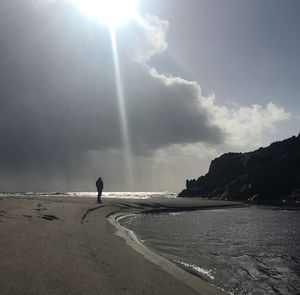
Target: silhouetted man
99 185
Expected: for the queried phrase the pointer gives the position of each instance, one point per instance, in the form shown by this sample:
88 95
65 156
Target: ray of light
122 112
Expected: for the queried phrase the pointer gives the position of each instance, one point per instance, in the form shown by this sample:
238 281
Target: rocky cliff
266 175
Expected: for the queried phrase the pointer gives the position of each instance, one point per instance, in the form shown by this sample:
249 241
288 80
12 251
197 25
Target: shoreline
175 270
195 282
58 245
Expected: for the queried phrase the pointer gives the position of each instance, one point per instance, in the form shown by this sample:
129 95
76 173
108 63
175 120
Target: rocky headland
268 175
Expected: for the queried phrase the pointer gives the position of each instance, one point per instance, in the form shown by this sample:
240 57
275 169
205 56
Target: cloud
59 106
245 126
148 38
232 125
59 94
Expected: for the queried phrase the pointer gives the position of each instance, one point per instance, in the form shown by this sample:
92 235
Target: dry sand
67 246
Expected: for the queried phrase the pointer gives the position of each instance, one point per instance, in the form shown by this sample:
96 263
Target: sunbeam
114 14
122 111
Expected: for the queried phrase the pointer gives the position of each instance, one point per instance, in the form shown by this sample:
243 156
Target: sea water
105 195
252 250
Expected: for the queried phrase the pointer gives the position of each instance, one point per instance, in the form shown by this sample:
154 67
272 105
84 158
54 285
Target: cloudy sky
183 83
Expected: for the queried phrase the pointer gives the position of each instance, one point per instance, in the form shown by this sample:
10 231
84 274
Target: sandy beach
57 245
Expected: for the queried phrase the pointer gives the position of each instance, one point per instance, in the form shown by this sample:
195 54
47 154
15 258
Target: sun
112 13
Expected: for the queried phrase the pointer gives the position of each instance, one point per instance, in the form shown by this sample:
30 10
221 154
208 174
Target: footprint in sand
49 217
28 216
40 209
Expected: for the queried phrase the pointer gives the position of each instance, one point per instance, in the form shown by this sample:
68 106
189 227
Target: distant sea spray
121 195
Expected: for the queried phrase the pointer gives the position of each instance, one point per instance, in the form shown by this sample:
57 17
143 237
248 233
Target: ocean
106 195
252 250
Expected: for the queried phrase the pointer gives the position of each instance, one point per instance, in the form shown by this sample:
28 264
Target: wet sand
60 245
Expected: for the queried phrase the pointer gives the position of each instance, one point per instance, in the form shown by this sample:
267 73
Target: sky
149 107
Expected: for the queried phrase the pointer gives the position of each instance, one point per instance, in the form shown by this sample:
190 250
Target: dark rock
266 175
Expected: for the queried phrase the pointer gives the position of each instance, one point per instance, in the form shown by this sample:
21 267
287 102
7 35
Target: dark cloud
58 94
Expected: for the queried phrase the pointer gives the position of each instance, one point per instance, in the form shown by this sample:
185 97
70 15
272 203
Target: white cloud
245 125
242 125
152 37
